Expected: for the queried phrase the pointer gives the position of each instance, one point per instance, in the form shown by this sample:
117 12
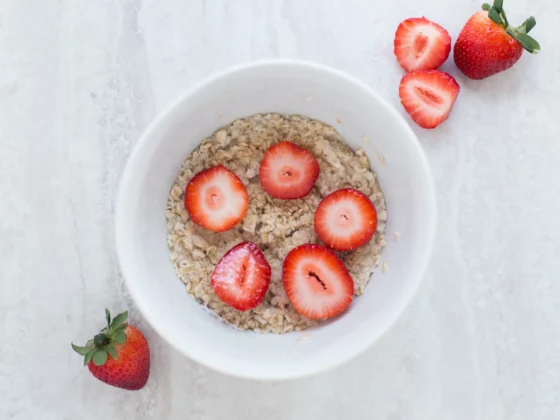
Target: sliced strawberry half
421 44
345 219
317 282
216 199
242 277
428 96
288 171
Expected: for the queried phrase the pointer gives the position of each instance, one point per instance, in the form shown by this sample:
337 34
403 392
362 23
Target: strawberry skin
216 199
421 44
118 355
317 282
288 171
242 277
132 368
485 48
345 219
428 96
488 45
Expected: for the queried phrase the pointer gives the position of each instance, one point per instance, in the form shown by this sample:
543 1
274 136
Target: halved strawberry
421 44
288 171
216 199
428 96
345 219
242 276
317 282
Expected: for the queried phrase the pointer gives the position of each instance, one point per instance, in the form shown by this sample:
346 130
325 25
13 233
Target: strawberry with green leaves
118 355
488 44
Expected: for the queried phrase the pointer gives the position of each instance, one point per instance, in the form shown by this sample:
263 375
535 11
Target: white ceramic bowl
288 87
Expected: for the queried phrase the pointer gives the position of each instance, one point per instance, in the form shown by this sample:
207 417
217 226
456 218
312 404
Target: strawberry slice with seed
288 171
242 277
216 199
428 96
317 282
421 44
345 219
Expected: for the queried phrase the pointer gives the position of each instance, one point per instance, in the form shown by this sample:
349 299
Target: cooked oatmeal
276 226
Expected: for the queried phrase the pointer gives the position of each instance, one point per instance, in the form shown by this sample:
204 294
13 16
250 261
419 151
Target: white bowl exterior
286 87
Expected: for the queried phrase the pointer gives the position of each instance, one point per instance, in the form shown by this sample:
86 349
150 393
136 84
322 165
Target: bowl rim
127 179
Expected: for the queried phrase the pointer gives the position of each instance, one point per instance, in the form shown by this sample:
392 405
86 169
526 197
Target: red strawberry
428 96
242 277
317 282
488 45
421 44
216 199
288 171
345 219
119 355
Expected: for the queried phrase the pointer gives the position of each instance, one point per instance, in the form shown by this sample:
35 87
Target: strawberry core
243 273
214 198
313 277
428 96
420 44
343 220
288 174
318 279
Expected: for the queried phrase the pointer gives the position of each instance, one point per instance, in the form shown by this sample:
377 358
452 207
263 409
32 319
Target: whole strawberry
488 44
118 355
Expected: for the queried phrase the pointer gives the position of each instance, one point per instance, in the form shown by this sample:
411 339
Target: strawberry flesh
317 282
288 171
242 277
421 44
216 199
428 96
345 219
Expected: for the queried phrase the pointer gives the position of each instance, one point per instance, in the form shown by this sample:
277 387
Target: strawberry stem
100 339
498 5
503 15
526 26
497 14
103 343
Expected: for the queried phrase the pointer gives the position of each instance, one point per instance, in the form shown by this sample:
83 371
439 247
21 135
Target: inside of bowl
288 89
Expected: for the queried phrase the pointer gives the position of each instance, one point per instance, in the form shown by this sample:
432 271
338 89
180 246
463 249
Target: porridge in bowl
232 158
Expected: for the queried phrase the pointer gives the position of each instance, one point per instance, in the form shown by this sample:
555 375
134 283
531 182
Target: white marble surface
79 81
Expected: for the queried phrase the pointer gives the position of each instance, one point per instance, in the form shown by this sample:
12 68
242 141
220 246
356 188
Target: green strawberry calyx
497 14
103 344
